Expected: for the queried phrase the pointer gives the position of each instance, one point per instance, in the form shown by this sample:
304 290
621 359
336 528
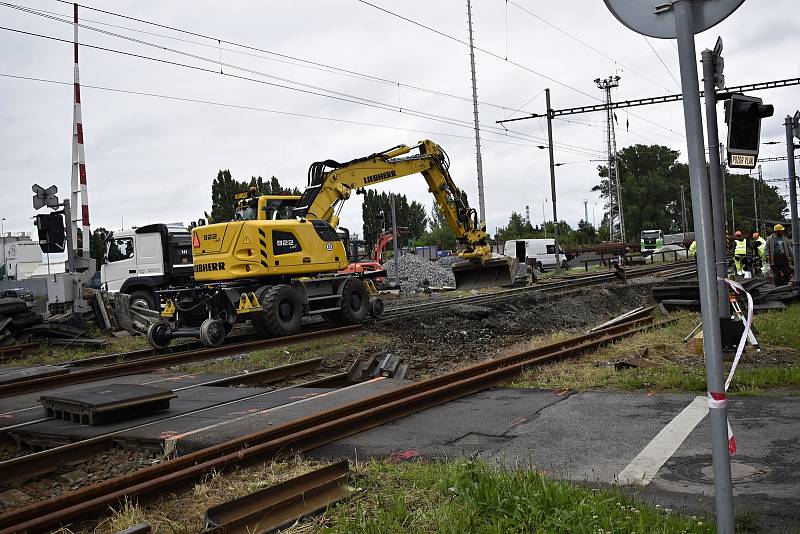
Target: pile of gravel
448 261
417 273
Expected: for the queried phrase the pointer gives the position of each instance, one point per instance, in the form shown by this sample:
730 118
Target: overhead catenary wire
586 44
483 50
340 96
264 110
343 96
217 42
677 83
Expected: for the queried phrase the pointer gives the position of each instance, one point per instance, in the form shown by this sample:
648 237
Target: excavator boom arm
331 183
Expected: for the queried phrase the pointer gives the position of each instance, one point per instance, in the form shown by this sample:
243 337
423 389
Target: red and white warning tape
718 400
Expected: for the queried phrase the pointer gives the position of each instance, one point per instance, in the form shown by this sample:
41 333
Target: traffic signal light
743 115
52 234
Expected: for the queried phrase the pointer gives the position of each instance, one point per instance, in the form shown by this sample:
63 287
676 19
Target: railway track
120 364
302 434
157 362
556 287
49 460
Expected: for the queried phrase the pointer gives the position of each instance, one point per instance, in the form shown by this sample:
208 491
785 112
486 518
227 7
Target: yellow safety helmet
778 227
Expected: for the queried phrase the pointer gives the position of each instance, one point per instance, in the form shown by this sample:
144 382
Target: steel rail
303 434
46 461
280 505
158 362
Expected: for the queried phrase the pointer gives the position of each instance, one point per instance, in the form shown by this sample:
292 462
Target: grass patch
679 367
472 497
423 497
45 354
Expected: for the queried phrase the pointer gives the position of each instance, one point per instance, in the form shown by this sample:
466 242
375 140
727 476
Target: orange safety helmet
738 233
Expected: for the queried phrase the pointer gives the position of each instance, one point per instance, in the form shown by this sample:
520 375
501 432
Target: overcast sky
151 159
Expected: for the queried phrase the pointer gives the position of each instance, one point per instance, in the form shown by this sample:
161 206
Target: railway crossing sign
44 197
650 17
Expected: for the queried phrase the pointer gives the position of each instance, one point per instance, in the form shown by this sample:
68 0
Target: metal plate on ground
103 404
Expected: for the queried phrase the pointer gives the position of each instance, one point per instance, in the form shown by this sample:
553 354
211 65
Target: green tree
586 233
517 228
224 188
440 233
97 245
739 193
376 215
651 179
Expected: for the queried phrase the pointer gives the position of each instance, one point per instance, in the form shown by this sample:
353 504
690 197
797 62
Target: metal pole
684 220
793 198
70 245
715 175
755 203
544 218
478 160
395 248
586 211
701 209
552 176
723 164
733 217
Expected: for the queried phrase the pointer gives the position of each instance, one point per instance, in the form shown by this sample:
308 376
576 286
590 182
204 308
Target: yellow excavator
274 267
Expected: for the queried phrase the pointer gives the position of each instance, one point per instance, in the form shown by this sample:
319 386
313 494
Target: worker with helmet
778 251
693 249
758 243
739 252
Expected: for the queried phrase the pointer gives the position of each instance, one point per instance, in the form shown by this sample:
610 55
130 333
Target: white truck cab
143 260
538 253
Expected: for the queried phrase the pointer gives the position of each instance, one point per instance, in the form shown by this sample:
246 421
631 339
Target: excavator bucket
496 272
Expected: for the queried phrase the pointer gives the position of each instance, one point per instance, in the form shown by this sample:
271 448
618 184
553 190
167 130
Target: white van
538 253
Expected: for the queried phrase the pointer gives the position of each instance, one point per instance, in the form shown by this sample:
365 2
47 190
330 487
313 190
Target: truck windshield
651 234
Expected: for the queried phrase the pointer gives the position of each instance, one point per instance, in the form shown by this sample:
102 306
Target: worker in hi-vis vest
739 252
759 243
693 249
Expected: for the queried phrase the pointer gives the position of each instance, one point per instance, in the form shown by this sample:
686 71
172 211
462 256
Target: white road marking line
644 467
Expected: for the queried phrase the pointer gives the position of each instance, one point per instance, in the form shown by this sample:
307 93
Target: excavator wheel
282 311
212 333
355 304
158 335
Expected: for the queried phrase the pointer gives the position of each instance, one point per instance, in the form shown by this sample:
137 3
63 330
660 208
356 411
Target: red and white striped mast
80 197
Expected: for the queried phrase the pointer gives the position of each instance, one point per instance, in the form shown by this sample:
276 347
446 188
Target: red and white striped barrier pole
80 196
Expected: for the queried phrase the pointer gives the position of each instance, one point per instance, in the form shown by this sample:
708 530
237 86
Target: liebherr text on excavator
274 267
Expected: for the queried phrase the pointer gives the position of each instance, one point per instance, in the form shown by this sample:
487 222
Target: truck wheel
144 299
355 302
212 333
158 335
282 311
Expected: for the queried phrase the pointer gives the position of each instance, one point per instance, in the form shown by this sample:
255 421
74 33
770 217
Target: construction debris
21 323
